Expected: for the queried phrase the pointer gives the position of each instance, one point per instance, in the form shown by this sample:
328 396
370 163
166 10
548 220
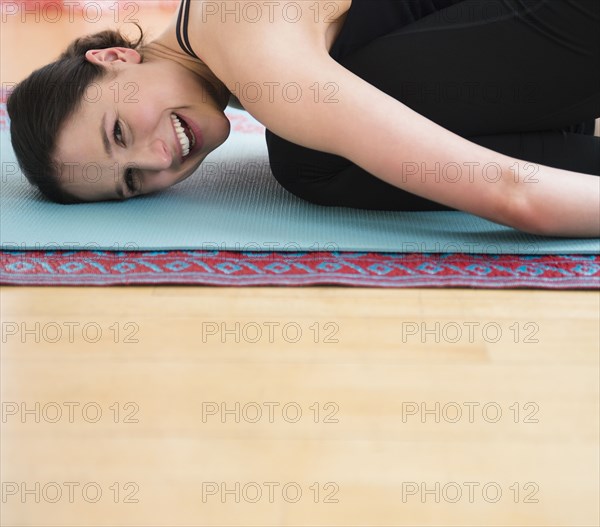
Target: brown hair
39 105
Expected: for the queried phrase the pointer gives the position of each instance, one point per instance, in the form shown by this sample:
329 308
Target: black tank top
367 20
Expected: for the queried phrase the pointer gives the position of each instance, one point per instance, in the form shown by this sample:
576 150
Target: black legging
510 75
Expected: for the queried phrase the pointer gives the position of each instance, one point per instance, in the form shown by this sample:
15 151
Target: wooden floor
316 406
299 406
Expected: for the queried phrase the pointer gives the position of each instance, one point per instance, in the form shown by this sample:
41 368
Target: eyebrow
105 141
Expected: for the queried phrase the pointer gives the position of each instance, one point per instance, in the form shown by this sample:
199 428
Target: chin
226 133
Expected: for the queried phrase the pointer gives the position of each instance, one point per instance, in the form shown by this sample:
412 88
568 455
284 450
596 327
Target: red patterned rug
226 268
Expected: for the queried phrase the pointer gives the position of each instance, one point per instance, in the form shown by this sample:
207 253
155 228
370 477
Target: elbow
523 214
522 211
533 222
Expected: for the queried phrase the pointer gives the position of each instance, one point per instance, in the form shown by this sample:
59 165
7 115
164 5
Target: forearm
444 167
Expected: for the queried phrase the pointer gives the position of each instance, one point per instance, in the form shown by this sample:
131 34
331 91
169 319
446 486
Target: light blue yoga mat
233 203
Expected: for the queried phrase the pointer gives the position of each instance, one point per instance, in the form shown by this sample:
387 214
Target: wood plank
375 422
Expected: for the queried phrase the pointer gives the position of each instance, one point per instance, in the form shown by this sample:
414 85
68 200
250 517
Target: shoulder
272 56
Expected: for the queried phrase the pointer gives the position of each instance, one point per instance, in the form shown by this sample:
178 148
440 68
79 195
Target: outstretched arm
330 109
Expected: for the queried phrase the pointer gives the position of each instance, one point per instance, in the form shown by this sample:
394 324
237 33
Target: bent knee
303 182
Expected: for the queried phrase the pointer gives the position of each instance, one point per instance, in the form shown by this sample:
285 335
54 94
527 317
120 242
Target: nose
154 156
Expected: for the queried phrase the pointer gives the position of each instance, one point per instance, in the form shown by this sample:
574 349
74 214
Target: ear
107 56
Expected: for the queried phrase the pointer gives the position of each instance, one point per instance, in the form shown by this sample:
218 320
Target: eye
118 134
130 180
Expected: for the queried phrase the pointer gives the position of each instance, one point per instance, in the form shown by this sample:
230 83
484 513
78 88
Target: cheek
161 182
143 117
143 100
129 92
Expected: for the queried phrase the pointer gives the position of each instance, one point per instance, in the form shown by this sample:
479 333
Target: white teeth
185 142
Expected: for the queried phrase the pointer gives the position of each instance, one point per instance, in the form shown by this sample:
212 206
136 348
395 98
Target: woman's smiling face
142 128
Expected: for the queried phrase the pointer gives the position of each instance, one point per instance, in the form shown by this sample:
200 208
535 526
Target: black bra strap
182 27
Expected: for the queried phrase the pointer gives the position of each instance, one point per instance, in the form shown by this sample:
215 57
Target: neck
156 51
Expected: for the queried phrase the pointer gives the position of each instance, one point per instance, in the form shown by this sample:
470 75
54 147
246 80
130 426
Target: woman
377 104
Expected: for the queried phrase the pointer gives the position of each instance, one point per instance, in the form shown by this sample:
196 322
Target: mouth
184 134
